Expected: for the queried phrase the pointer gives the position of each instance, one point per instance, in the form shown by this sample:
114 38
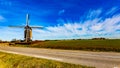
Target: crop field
18 61
89 45
112 45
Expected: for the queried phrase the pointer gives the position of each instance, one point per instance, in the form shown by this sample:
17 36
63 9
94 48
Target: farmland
112 45
18 61
89 45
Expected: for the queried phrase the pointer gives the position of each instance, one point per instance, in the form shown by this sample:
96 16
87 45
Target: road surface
96 59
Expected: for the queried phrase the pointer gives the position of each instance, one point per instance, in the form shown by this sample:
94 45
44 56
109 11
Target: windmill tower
27 30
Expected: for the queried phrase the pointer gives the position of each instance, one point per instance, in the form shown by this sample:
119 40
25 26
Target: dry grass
19 61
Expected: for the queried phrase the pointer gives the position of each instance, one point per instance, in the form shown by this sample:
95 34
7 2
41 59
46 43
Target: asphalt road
96 59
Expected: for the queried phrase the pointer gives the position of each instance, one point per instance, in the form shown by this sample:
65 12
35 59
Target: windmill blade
36 26
27 19
16 26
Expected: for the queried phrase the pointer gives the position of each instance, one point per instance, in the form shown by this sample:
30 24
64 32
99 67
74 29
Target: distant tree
98 38
1 41
15 40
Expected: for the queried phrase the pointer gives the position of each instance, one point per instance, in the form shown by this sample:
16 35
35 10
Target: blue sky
62 19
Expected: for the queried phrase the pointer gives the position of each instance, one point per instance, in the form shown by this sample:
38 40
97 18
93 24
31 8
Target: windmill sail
28 29
27 19
36 26
16 26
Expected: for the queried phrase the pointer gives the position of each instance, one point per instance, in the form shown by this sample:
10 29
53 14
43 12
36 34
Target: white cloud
10 33
95 26
112 11
92 14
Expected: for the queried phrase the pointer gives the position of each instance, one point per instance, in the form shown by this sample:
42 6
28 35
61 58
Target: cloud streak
2 19
61 12
93 26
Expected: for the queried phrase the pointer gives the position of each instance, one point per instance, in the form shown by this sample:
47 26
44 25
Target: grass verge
18 61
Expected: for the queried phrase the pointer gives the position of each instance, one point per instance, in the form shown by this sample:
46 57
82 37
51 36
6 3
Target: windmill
27 30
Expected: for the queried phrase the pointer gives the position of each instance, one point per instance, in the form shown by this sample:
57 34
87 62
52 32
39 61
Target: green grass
112 45
89 45
18 61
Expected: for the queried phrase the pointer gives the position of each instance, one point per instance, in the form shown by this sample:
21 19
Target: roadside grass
19 61
88 45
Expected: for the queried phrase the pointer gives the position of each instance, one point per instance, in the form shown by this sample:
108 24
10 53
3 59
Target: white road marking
32 55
